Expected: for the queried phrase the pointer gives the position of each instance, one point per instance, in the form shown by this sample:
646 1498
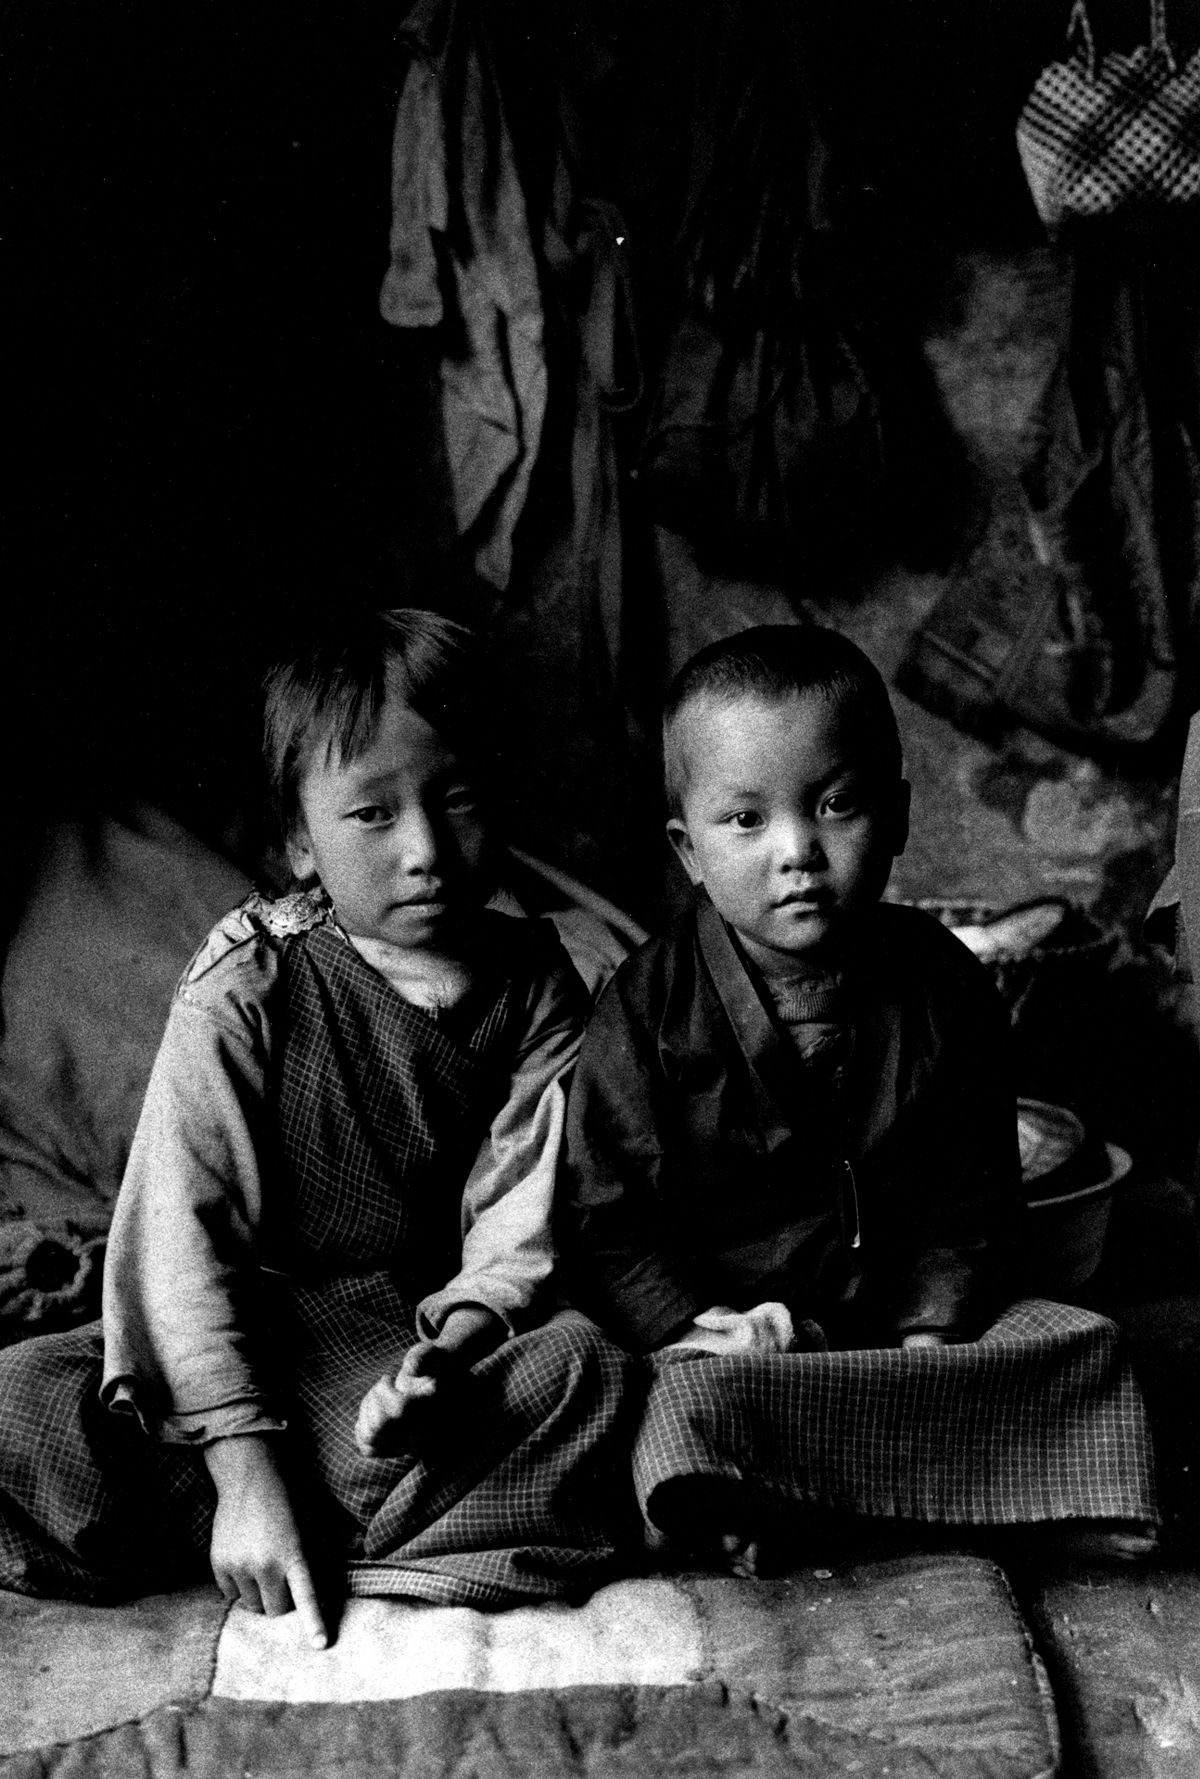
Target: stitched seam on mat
215 1655
686 1585
1041 1681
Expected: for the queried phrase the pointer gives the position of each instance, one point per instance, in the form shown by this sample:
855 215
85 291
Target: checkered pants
525 1496
1039 1419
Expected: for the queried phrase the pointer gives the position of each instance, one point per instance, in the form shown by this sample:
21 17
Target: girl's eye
371 815
461 801
745 819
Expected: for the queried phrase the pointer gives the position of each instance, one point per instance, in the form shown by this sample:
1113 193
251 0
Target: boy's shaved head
774 662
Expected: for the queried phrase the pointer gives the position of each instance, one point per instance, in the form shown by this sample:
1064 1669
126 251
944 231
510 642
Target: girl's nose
417 843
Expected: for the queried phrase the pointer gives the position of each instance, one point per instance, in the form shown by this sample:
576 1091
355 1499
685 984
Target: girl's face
396 836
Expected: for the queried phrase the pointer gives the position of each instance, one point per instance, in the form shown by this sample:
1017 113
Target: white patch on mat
633 1633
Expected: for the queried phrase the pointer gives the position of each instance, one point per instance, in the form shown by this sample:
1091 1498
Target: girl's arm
182 1278
256 1552
181 1275
507 1202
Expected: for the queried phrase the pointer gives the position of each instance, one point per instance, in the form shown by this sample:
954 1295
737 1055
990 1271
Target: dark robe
707 1163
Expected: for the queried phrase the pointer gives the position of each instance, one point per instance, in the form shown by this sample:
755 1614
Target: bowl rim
1119 1163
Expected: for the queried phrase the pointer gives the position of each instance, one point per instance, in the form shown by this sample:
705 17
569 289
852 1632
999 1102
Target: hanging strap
1080 27
1159 44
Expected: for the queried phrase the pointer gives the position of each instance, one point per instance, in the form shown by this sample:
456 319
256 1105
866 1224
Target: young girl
334 1225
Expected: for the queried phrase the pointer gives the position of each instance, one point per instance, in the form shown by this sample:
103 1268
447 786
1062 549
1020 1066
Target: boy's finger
304 1598
718 1319
416 1360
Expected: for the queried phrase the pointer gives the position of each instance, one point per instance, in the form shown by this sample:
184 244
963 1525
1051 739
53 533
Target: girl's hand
256 1554
911 1341
395 1406
386 1414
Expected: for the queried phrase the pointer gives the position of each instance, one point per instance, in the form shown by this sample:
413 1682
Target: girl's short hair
775 662
329 693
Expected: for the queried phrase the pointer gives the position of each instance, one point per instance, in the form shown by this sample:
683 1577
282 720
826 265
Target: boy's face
786 823
396 837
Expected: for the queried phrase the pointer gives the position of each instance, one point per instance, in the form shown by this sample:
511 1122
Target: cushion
914 1664
116 907
1125 1654
69 1671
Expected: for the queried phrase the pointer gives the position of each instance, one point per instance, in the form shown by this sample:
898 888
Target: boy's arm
508 1249
611 1207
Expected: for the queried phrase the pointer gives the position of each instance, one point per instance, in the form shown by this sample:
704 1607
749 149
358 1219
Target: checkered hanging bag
1107 137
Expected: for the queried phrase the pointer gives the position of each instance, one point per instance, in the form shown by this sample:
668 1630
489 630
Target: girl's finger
247 1587
304 1598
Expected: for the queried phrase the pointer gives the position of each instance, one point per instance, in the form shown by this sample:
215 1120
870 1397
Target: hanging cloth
462 259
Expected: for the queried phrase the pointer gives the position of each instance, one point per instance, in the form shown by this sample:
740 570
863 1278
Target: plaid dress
372 1112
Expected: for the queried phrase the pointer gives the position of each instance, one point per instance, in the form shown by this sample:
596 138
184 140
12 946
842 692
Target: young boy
334 1226
792 1171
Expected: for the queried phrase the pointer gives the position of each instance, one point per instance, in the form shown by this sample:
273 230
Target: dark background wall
211 429
212 432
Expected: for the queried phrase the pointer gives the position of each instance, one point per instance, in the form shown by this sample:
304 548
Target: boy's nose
801 848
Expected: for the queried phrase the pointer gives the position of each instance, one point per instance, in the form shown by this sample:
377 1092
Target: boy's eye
745 819
843 803
461 800
371 815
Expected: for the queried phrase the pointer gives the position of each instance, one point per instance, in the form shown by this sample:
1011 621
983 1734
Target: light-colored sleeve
508 1248
181 1277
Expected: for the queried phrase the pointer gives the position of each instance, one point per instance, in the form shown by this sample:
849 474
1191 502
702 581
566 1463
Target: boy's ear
900 817
685 852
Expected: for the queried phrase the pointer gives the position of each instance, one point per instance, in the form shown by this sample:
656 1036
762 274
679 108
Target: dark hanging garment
762 442
1076 614
1114 491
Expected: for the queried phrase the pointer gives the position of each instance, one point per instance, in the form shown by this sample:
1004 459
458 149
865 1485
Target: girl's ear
685 852
300 853
900 817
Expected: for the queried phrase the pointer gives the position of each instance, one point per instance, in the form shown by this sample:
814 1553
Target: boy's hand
256 1553
922 1340
394 1407
767 1328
